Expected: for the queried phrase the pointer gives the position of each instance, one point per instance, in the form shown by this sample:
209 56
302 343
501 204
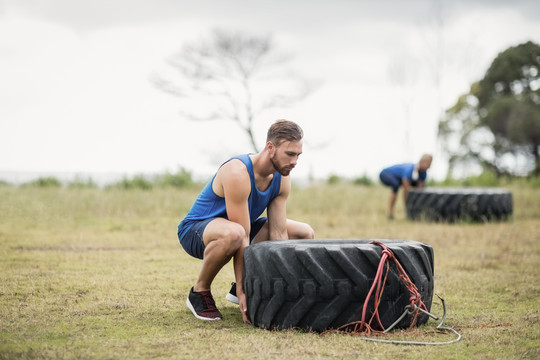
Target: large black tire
317 285
453 204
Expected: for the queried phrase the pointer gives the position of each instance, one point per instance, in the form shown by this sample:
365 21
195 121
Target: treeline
184 179
181 179
485 179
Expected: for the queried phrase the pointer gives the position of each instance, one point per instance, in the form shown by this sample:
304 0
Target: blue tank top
405 171
209 205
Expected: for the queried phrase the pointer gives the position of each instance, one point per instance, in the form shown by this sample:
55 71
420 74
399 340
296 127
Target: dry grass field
99 274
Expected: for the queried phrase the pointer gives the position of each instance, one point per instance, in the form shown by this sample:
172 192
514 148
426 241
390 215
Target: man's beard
284 171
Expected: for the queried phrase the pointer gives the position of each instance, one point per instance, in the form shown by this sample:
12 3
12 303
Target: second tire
455 204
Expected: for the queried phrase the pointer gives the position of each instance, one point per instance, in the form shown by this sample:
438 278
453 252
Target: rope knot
389 254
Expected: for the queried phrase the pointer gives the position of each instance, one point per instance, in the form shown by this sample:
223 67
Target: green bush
137 182
182 178
534 182
4 183
45 182
82 184
363 180
487 178
333 179
450 182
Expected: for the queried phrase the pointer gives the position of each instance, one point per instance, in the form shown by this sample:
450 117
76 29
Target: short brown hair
284 130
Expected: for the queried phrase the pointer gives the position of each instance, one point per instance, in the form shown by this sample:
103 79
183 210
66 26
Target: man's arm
406 186
235 185
277 212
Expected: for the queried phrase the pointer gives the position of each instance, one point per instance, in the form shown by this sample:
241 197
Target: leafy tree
497 124
232 76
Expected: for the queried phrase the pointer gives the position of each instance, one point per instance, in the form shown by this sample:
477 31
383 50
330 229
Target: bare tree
232 76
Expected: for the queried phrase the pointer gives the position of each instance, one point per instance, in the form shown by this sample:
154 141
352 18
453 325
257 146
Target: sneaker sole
188 303
232 298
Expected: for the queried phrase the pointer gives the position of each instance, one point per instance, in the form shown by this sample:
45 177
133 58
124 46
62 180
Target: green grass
90 273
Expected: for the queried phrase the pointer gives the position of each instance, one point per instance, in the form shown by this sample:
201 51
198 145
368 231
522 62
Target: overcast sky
76 96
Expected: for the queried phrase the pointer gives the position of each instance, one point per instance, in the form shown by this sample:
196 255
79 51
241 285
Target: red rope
379 282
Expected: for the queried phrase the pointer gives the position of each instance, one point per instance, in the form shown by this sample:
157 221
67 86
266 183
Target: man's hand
243 306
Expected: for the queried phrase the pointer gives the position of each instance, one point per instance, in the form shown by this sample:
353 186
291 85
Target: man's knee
224 238
310 233
233 236
305 231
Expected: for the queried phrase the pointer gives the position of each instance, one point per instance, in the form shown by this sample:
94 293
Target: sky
76 95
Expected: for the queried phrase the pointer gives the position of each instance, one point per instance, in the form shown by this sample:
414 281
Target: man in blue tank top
408 175
226 216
